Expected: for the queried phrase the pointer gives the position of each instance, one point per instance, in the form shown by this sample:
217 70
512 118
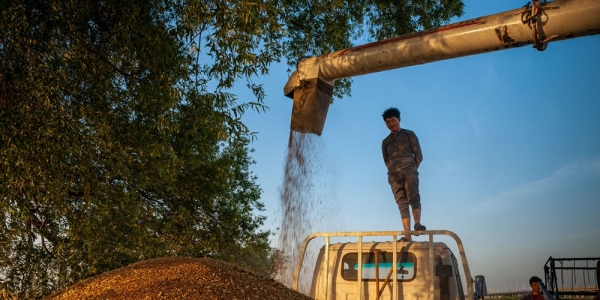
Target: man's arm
416 148
384 153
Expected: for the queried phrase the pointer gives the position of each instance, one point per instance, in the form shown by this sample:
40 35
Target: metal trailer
572 276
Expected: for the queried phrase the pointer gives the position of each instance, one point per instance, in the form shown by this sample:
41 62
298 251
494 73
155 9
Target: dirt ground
179 278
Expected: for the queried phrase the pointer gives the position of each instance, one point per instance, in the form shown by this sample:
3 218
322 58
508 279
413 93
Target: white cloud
476 124
563 179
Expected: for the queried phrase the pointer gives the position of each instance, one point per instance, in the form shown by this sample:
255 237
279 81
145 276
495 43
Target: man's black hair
391 112
534 279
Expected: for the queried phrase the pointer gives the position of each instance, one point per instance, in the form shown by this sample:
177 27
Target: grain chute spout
312 96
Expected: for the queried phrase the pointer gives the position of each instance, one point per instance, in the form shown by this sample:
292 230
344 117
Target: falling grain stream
298 199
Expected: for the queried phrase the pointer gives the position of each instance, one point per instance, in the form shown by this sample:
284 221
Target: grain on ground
179 278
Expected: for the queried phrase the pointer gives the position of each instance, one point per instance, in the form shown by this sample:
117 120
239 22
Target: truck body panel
424 269
339 279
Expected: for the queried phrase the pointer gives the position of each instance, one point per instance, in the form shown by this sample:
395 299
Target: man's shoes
420 227
403 239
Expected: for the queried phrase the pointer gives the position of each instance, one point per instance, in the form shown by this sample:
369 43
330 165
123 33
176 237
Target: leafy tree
120 139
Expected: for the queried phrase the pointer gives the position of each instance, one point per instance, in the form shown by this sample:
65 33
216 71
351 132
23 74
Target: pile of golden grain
179 278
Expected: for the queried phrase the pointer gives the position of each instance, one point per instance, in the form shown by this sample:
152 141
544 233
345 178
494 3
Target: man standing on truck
402 156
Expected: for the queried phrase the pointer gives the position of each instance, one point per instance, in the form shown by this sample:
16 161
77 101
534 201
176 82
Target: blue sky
511 144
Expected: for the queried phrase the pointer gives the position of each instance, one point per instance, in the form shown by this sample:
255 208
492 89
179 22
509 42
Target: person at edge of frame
535 293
